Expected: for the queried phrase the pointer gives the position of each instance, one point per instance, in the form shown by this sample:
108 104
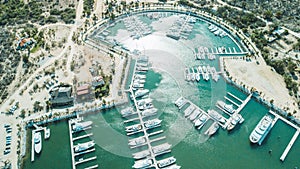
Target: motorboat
261 130
37 142
216 116
166 162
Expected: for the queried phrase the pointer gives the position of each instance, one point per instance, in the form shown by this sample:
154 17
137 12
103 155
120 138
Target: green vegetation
88 6
67 15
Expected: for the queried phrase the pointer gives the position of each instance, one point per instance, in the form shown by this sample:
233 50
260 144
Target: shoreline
247 89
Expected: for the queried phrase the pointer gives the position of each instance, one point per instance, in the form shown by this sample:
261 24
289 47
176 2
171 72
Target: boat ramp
143 125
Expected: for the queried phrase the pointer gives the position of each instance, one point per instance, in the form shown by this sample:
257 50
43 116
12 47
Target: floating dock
289 146
85 160
81 137
71 144
92 167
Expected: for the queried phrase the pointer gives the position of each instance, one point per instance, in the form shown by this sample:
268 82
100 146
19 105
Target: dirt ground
265 80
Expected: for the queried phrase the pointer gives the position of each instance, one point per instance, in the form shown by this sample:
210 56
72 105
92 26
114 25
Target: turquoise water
191 148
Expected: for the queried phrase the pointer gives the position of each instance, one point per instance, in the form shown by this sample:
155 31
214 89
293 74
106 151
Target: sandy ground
264 80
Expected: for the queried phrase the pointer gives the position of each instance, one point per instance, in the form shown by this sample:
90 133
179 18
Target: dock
231 101
131 120
85 160
32 146
289 146
155 133
71 144
92 167
84 152
81 137
244 103
230 94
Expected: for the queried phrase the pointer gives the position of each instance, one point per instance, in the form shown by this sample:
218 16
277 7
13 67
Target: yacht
166 162
161 148
81 126
212 129
189 110
200 120
145 163
133 128
137 141
47 133
204 69
198 77
137 85
206 76
37 142
179 101
235 118
149 112
142 154
216 116
144 101
141 92
152 123
83 146
195 114
261 130
200 69
127 111
228 107
139 76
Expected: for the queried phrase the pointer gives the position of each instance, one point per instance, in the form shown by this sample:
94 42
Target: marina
190 145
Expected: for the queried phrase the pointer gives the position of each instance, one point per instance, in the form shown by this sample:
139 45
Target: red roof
83 87
83 92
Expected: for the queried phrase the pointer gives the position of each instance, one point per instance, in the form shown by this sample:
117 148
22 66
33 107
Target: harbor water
191 148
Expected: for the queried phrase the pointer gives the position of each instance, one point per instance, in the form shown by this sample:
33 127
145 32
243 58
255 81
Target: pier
231 101
131 120
92 167
230 94
32 146
71 144
84 152
244 103
85 160
84 136
289 146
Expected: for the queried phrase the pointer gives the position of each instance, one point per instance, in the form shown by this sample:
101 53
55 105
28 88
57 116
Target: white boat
204 69
208 69
189 110
141 81
200 69
127 112
235 118
206 76
81 126
47 133
144 101
216 116
166 162
145 163
228 107
195 114
83 146
137 85
137 141
141 92
261 130
139 76
146 106
161 148
212 129
133 128
179 101
152 123
140 155
37 142
200 120
198 77
149 112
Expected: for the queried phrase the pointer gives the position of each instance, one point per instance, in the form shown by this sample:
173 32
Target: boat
195 114
206 76
216 116
152 123
137 141
141 92
81 126
139 76
261 130
204 69
47 133
149 112
212 129
208 69
141 81
140 155
200 69
228 107
145 163
189 110
200 120
144 101
133 128
37 142
179 101
166 162
83 146
235 118
198 77
174 166
161 148
137 85
127 111
146 106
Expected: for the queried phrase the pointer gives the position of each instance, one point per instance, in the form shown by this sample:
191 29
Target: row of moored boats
195 73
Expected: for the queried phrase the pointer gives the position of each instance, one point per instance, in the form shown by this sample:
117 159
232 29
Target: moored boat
261 130
216 116
166 162
137 141
81 126
133 128
37 142
83 146
152 123
47 133
212 129
142 163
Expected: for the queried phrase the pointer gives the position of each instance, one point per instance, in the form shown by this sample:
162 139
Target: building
98 81
24 42
83 93
61 95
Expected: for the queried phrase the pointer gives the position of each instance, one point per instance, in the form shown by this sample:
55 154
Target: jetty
294 138
85 160
71 144
81 137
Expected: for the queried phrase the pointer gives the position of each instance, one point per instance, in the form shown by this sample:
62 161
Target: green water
191 148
